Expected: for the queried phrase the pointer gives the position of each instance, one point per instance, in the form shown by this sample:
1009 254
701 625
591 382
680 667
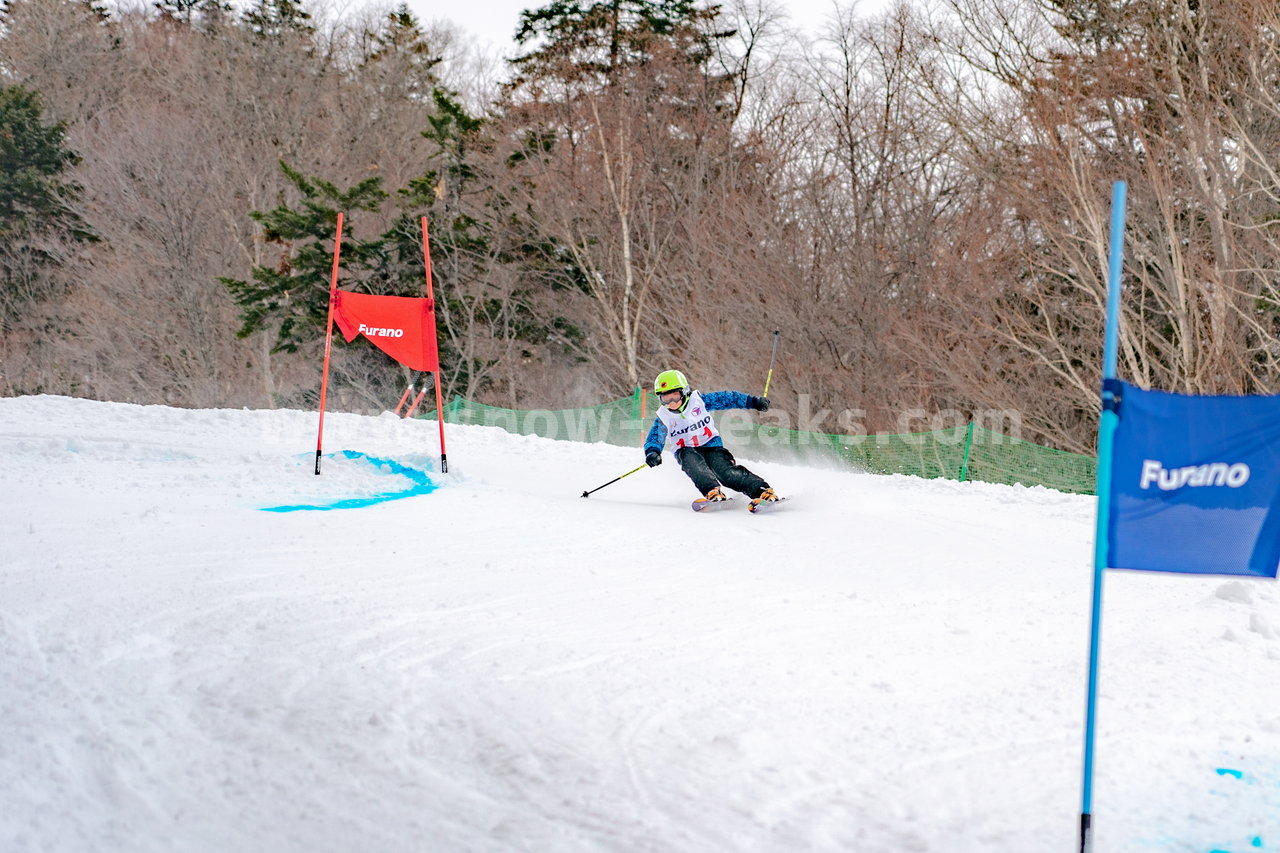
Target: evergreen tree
595 38
471 248
619 122
399 55
205 15
294 293
278 20
36 201
481 315
35 193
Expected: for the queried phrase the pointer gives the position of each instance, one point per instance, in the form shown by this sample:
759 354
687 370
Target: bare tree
873 197
1052 103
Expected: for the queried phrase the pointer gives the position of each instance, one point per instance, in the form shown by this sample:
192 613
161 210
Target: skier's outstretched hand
761 403
653 458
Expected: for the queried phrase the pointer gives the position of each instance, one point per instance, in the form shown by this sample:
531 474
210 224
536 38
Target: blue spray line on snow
1256 842
421 485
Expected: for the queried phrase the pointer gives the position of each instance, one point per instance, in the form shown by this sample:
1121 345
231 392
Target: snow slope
885 664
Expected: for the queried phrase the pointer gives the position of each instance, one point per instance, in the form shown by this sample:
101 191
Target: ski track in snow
889 664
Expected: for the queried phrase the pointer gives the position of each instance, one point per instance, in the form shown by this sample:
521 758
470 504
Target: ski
758 505
704 505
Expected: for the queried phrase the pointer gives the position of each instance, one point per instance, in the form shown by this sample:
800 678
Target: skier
684 417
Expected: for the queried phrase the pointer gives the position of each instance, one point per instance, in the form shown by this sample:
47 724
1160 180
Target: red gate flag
404 327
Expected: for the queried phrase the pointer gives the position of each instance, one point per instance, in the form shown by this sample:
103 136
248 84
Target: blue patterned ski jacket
715 401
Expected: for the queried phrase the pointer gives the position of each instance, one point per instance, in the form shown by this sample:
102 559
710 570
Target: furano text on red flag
403 327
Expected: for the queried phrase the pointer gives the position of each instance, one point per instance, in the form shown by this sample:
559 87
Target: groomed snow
885 664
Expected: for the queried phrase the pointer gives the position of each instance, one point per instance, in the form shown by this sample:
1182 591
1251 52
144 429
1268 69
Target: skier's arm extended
657 438
717 400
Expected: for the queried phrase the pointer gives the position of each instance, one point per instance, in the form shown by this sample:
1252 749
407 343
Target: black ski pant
709 467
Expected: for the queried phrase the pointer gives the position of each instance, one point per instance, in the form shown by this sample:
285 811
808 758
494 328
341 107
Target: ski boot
714 499
767 498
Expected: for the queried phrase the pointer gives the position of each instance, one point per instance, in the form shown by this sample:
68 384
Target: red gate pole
403 397
417 400
328 338
426 257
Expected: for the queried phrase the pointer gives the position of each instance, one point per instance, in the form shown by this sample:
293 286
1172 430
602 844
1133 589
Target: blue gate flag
1195 483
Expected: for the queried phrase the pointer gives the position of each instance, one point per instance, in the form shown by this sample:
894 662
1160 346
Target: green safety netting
969 452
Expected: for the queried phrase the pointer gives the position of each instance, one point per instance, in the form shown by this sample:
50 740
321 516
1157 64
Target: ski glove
653 458
761 403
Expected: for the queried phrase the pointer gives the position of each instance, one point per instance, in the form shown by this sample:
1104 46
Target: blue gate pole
1106 435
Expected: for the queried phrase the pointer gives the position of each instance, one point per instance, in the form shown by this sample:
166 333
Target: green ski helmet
671 380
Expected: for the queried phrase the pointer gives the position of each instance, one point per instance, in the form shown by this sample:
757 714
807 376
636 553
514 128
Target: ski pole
615 479
773 355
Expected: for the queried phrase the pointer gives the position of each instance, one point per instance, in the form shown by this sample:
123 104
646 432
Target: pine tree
470 244
205 15
597 38
293 295
278 20
400 56
35 192
37 199
619 120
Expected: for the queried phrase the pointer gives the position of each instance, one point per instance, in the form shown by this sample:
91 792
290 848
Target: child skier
685 418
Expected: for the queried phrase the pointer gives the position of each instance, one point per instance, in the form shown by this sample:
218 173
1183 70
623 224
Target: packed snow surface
401 659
